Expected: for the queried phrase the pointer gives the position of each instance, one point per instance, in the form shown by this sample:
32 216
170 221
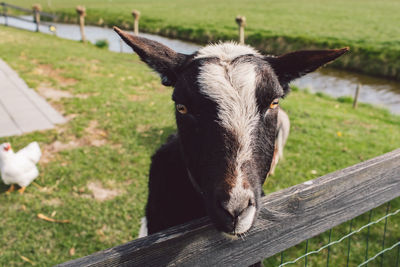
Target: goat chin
143 232
230 236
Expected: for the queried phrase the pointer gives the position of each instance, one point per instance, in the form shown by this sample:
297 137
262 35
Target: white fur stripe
226 51
232 87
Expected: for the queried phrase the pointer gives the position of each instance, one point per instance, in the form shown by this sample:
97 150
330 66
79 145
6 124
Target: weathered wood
5 14
241 21
136 16
45 14
36 15
81 10
287 218
355 101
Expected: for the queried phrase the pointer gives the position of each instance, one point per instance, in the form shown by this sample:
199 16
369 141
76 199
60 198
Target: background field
119 114
369 27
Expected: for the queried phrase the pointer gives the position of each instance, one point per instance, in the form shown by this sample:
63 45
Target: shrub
103 43
345 99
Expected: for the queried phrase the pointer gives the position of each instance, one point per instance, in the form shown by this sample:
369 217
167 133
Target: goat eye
181 108
274 103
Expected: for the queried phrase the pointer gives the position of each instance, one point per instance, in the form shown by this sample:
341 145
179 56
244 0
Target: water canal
376 91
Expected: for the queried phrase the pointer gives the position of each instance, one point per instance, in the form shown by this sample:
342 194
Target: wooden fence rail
287 218
26 10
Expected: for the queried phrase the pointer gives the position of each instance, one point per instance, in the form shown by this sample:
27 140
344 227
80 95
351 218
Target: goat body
172 198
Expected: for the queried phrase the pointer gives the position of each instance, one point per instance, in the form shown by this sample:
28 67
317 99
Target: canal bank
337 83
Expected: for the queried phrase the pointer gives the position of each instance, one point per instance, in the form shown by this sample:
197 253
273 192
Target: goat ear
160 58
296 64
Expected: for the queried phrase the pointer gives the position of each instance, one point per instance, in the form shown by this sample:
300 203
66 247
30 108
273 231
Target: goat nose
235 209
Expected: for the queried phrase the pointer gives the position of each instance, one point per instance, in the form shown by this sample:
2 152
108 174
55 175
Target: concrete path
22 110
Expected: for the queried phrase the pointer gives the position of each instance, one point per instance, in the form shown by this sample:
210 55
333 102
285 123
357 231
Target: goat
282 133
226 97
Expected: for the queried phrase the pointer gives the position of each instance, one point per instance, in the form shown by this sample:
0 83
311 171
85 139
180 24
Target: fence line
286 218
35 12
380 253
343 238
44 14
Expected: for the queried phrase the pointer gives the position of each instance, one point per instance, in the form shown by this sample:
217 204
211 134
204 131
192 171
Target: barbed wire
344 237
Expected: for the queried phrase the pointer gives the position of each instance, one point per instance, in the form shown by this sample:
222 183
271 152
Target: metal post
241 21
384 232
81 10
5 13
36 15
356 95
136 16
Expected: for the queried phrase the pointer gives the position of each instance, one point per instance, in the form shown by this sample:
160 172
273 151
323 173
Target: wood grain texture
287 218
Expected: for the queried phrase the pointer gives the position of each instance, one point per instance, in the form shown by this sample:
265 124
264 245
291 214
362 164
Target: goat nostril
226 210
233 212
251 203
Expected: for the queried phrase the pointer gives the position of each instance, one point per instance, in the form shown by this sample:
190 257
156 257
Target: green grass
133 115
368 27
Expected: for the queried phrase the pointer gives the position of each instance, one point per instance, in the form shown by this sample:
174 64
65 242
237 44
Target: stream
376 91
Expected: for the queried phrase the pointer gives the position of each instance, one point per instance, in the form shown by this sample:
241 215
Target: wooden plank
287 218
48 15
18 8
42 14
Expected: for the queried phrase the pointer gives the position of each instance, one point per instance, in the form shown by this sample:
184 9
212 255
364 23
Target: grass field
369 27
119 114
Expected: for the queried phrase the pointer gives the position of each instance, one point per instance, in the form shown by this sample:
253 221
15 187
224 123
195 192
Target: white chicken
19 168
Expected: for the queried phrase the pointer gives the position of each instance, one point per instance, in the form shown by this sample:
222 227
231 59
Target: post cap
81 10
136 13
37 7
241 20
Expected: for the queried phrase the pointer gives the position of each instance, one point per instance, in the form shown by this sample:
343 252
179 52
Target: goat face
226 98
226 117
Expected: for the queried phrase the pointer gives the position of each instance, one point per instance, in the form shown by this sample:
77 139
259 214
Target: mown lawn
119 114
369 27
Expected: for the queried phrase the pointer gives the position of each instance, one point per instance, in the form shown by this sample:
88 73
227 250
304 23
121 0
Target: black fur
172 199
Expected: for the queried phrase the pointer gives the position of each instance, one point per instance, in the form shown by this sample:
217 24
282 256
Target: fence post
356 95
241 21
5 13
36 15
136 16
81 10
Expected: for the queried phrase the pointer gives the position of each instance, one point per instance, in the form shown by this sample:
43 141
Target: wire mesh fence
372 239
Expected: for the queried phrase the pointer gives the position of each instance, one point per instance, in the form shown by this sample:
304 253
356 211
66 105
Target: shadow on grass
3 188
